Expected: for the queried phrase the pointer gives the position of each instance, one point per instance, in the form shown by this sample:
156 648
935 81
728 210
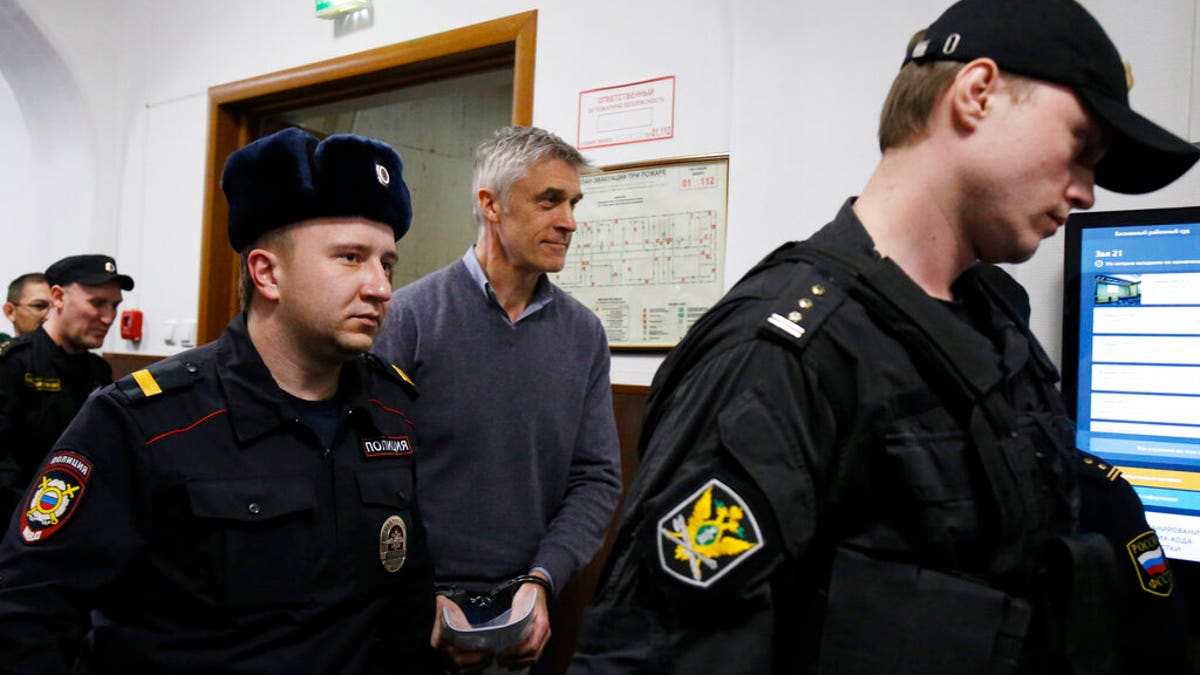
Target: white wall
791 90
585 45
809 83
16 194
51 174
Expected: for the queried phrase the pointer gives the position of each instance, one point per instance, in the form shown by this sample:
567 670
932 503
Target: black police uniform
210 530
42 387
831 485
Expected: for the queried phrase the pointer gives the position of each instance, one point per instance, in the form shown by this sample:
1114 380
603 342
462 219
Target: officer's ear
972 94
9 310
57 294
263 267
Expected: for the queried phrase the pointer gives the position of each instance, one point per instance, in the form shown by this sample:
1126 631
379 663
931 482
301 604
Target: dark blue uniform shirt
211 531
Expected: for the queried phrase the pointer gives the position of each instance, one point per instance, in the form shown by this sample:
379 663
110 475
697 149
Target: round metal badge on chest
393 543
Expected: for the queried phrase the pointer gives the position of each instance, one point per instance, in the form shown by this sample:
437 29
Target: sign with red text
628 113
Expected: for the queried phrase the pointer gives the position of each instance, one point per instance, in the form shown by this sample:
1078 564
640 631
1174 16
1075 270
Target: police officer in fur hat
247 505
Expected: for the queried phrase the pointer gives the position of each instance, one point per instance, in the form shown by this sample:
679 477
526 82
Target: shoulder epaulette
809 299
1096 468
391 371
160 378
12 346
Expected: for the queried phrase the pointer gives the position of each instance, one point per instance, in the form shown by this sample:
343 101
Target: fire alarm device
131 325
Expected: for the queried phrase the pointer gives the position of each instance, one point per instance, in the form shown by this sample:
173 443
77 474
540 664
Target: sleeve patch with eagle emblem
708 534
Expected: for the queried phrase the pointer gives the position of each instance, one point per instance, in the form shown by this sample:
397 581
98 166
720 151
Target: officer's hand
458 660
526 652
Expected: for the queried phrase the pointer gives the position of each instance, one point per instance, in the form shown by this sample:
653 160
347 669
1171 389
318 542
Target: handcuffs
500 595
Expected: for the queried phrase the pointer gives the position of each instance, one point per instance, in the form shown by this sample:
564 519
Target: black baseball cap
290 176
89 270
1057 41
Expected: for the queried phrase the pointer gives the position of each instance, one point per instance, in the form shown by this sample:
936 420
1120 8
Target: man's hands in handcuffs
515 657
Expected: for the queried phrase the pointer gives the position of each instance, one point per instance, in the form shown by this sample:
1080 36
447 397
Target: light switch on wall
169 330
187 330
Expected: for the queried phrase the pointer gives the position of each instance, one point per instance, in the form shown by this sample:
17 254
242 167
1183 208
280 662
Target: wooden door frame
235 110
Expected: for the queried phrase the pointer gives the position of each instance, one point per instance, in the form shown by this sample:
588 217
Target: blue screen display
1137 389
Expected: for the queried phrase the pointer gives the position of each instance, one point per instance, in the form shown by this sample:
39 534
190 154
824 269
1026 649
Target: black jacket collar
256 403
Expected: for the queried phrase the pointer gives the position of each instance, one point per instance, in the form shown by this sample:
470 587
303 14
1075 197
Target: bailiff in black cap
290 176
1057 41
89 270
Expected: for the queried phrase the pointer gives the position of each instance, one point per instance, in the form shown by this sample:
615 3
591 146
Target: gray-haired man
521 471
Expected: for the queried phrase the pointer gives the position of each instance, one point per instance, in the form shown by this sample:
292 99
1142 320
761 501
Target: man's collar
256 403
543 292
847 231
41 336
475 269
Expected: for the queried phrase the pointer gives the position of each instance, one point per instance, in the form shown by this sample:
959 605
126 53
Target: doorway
412 79
435 127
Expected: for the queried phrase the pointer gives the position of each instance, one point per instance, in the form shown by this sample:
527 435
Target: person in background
27 305
520 472
246 506
858 461
47 373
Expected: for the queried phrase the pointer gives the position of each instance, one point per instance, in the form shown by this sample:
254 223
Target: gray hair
505 158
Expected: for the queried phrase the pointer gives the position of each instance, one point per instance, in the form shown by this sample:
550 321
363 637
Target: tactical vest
904 595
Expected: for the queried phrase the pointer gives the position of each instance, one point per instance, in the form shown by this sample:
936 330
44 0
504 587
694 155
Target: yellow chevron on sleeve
402 374
147 382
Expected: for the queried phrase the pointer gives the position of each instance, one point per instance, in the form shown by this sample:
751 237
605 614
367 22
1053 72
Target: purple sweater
518 464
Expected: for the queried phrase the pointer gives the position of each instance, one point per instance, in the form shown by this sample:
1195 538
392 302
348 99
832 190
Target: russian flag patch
1150 563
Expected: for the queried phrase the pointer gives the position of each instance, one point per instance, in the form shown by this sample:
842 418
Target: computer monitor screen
1131 357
